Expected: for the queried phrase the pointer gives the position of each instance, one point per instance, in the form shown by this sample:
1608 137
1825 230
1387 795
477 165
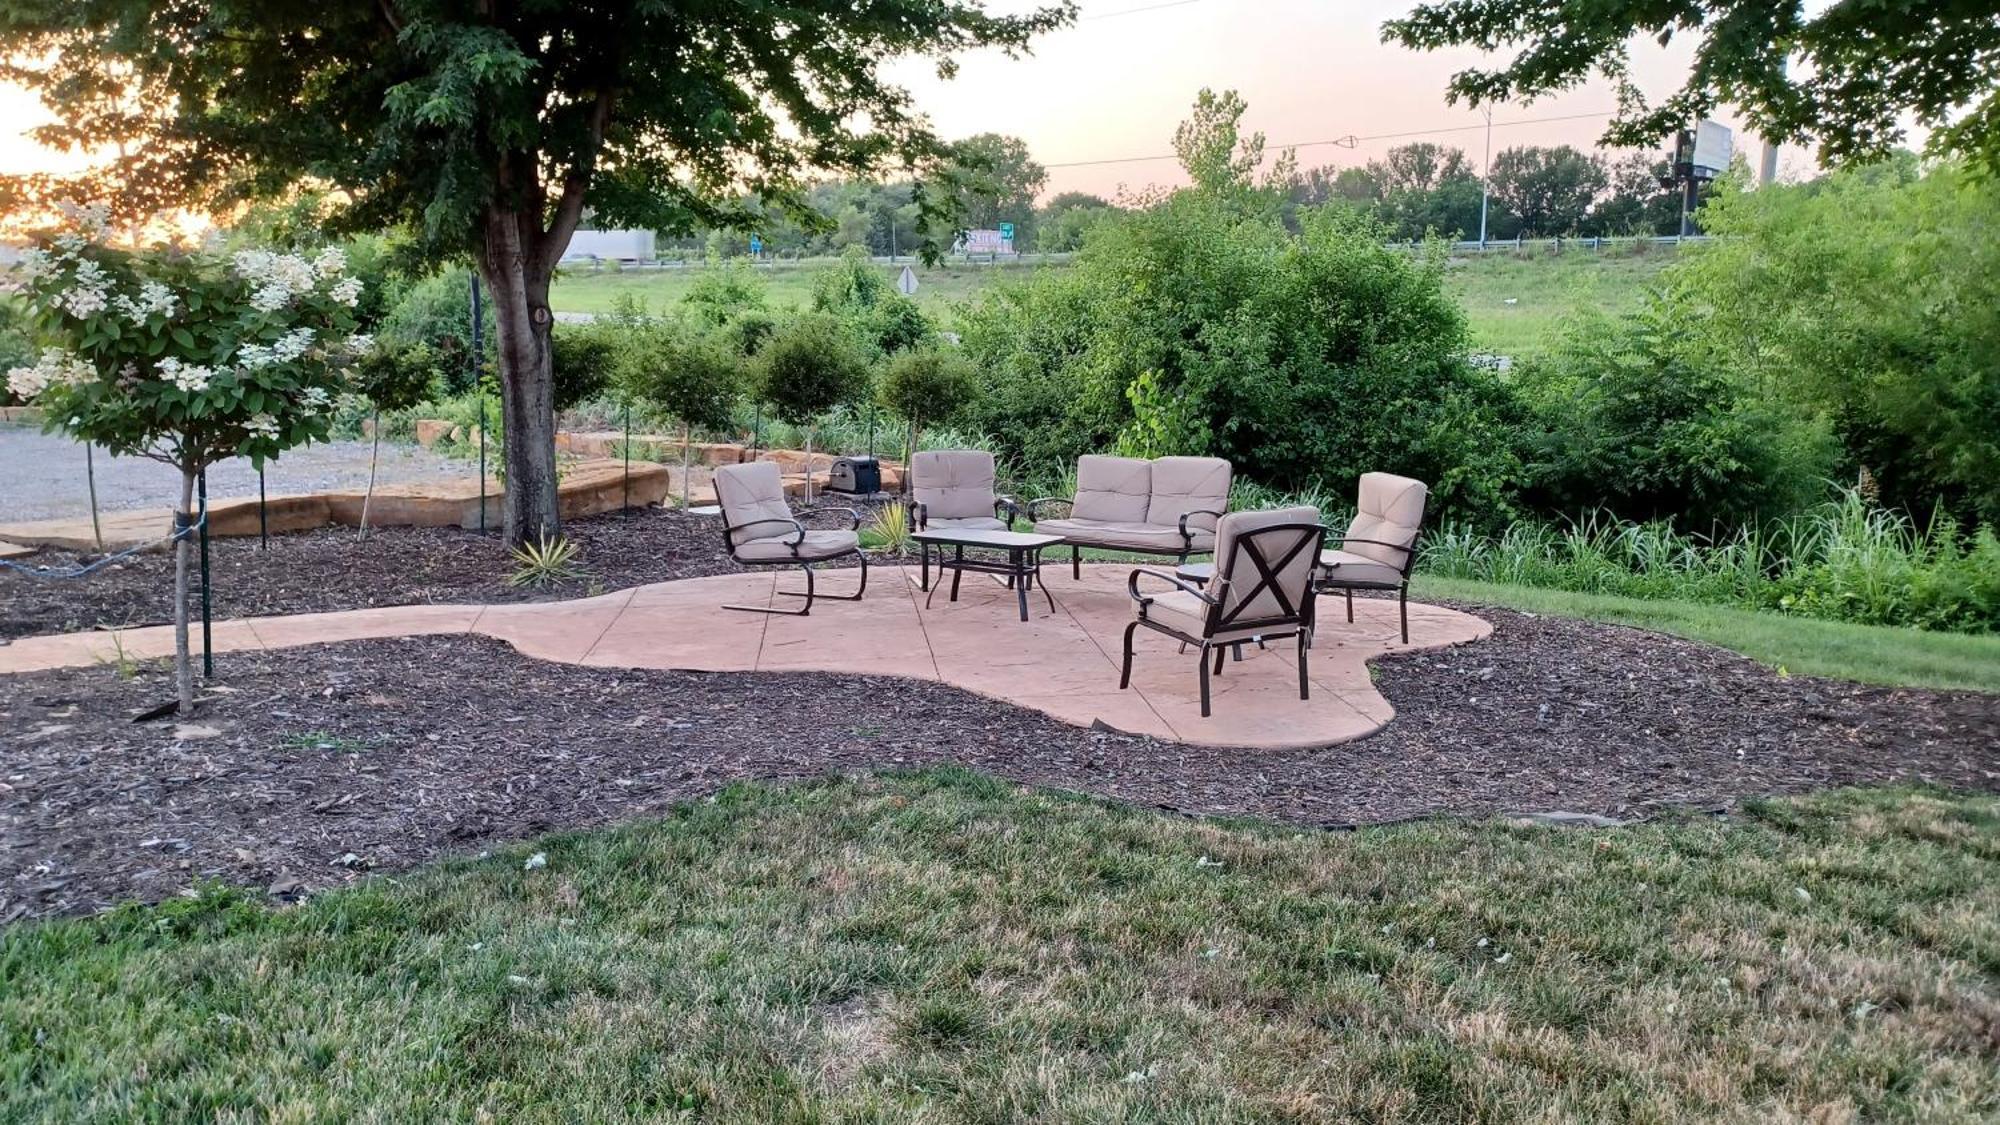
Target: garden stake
263 521
626 503
207 647
374 455
90 476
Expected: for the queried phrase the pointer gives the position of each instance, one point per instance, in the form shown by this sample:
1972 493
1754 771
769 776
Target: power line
1347 141
1136 11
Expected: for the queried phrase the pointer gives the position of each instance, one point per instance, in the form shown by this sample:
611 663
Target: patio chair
760 529
1165 506
1380 545
953 489
1262 589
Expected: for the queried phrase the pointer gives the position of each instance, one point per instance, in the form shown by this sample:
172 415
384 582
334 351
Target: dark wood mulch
332 568
316 766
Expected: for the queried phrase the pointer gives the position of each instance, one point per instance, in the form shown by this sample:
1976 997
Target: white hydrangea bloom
360 343
53 368
154 299
293 344
332 262
347 291
270 298
35 263
316 399
89 291
190 377
255 356
263 425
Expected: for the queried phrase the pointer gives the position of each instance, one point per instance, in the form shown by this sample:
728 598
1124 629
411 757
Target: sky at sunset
1114 85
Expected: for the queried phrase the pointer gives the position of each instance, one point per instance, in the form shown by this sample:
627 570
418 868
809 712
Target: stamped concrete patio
1063 663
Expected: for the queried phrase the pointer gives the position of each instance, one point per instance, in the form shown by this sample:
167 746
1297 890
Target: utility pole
1486 178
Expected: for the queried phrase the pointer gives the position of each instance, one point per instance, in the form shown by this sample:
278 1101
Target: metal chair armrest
798 530
919 513
1035 506
1005 508
1187 536
1132 586
1409 549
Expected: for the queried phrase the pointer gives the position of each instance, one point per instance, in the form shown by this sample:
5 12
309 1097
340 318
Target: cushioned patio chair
1262 589
760 529
953 490
1166 506
1380 545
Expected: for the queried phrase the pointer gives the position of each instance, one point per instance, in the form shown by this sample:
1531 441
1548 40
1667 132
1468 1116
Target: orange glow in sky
1114 86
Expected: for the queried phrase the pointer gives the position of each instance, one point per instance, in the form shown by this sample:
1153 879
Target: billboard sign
988 242
1703 152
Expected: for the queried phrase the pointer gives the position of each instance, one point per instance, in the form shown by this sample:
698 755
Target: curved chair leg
1221 653
1204 683
801 612
1076 563
1403 607
809 594
1305 642
1350 607
1125 674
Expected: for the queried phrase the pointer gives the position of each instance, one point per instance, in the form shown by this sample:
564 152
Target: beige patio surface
1063 663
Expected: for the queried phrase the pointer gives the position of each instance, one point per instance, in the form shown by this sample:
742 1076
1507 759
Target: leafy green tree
927 385
1871 298
1061 224
490 129
1635 202
1546 191
725 291
1841 73
1222 161
997 182
583 359
810 366
186 358
392 375
691 376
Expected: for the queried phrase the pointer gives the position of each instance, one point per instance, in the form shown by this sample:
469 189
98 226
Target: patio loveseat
1165 506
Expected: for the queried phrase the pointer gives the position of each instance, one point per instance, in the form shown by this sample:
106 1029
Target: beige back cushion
1112 488
749 493
1391 509
1187 484
1244 596
953 484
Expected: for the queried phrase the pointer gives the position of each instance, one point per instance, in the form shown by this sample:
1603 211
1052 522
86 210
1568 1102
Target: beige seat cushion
749 493
816 545
1346 566
1131 536
1181 485
1390 509
969 523
1182 611
1112 489
953 483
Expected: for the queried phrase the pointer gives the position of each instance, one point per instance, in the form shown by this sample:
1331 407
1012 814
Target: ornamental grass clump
185 357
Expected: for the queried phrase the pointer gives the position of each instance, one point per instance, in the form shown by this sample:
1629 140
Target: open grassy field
1544 288
945 947
1869 654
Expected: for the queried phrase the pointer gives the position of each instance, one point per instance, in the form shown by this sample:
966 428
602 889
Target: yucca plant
889 529
545 562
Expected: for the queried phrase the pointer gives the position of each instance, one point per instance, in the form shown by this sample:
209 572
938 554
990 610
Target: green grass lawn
944 947
1546 288
1871 654
787 284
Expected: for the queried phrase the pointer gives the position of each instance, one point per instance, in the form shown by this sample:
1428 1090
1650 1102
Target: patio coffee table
1021 568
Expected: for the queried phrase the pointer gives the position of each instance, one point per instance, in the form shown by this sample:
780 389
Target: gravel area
44 474
333 568
310 768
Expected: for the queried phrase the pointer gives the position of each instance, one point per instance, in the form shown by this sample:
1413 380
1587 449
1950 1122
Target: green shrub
583 359
437 312
725 291
811 365
928 385
684 373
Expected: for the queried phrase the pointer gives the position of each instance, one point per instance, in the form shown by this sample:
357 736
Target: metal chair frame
1328 584
1294 621
798 537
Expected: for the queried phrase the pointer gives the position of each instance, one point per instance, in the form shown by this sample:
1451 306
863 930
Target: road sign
756 247
1006 232
907 284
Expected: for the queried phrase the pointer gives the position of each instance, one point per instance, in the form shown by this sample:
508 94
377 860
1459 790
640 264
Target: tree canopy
490 127
1840 75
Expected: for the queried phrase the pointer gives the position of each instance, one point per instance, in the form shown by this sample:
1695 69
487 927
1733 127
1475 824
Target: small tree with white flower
187 358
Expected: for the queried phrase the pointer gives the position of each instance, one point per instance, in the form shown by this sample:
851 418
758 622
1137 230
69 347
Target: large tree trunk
516 276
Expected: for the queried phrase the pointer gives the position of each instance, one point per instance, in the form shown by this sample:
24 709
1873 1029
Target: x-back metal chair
760 529
1262 589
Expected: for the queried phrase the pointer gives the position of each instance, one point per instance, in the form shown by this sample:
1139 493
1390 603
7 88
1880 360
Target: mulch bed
310 768
332 568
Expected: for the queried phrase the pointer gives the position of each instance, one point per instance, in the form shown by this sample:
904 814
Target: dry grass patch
942 947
